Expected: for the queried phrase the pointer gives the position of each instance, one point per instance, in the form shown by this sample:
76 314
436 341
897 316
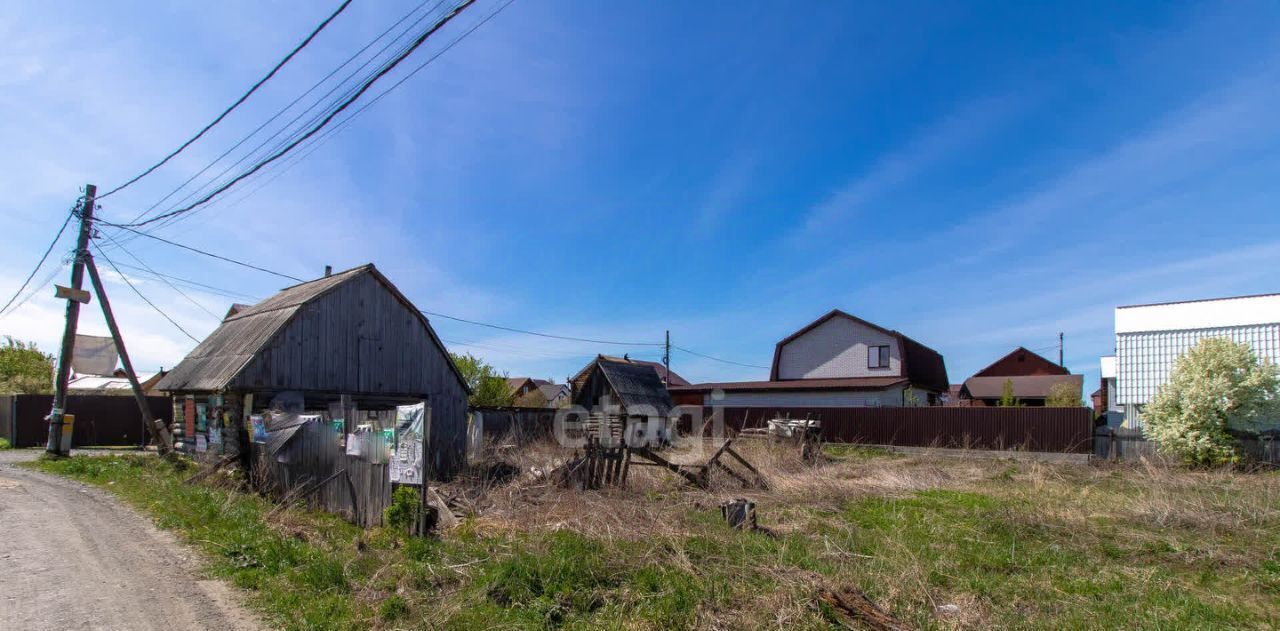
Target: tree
24 369
488 388
1007 400
1063 395
532 399
1216 387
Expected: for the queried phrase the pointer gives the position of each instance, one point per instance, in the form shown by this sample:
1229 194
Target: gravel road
73 557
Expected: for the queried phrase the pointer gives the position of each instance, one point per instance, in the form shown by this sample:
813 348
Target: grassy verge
940 545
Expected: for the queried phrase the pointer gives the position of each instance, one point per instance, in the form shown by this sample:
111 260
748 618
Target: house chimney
328 271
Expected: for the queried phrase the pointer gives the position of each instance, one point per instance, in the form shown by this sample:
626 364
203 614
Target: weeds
938 543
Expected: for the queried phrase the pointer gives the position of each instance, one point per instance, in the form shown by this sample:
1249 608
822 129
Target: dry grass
939 542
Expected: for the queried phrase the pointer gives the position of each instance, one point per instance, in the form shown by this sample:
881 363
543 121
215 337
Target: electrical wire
342 7
547 335
43 257
145 299
35 289
226 293
726 361
199 251
330 132
164 280
295 101
345 104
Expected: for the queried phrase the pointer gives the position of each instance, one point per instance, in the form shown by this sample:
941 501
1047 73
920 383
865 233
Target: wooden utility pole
155 427
666 359
1061 362
54 446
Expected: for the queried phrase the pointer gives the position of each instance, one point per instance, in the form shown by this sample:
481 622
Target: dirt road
73 557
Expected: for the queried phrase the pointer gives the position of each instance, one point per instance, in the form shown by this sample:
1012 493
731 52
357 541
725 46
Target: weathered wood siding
361 339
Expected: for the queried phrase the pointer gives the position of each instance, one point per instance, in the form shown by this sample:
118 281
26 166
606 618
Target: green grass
5 444
1022 547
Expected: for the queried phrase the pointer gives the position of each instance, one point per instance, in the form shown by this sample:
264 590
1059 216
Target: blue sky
978 176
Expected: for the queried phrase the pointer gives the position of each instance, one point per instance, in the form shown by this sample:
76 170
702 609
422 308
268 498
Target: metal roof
841 383
1201 314
1024 387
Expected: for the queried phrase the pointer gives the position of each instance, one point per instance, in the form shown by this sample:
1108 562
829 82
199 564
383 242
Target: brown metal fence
101 420
1066 430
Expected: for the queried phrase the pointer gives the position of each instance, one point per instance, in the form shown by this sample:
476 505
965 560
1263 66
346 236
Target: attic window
877 357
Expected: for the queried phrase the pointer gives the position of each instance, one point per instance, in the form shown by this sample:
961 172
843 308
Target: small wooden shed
350 343
624 396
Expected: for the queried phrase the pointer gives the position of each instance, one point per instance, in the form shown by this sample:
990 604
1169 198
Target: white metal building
1149 338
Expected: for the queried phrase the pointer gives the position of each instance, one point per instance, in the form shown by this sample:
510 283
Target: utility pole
1060 361
666 359
54 447
155 427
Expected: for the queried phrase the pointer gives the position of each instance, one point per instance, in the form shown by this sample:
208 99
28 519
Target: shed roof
660 369
636 385
1024 387
217 360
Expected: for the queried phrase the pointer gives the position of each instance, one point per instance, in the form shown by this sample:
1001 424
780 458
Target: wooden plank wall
355 488
525 424
360 339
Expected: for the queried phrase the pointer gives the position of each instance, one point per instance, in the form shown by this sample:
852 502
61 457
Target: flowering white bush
1217 385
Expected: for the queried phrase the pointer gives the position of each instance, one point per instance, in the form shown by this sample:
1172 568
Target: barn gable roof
217 360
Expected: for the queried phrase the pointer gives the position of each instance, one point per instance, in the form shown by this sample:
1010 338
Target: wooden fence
312 467
101 420
523 424
1063 430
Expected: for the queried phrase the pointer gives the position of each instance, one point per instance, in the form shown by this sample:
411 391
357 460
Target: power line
295 101
35 289
547 335
162 279
144 298
725 361
226 293
345 104
342 7
43 258
201 251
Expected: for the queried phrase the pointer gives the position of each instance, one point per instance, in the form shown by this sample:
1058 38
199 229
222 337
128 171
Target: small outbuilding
621 394
348 346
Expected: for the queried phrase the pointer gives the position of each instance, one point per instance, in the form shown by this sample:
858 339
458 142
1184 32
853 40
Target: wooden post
154 426
426 467
54 446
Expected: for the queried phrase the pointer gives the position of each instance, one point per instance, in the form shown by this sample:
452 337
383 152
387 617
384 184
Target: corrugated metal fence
1130 444
101 420
1064 430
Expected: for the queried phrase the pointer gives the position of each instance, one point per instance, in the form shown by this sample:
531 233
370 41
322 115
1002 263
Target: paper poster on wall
215 437
355 444
202 444
259 425
406 460
202 417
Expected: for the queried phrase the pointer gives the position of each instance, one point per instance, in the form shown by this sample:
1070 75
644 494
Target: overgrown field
936 542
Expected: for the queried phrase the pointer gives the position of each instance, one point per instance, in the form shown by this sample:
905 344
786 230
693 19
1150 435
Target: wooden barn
349 347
